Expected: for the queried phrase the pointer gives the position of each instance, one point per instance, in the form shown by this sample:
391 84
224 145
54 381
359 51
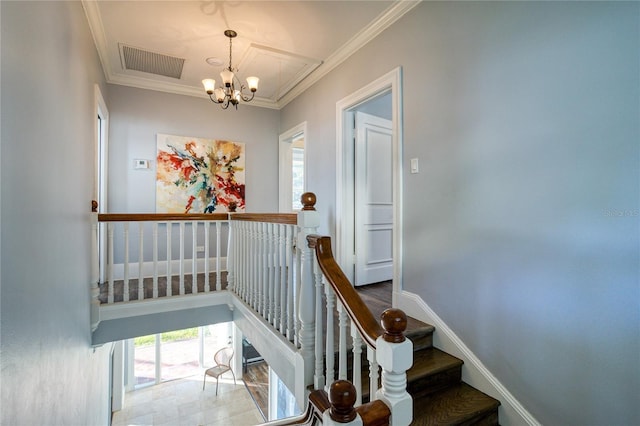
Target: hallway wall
50 373
521 230
138 115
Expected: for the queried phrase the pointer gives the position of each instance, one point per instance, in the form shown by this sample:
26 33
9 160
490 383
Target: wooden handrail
159 217
374 413
283 218
356 308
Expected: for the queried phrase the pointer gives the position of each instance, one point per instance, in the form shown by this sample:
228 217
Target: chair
223 364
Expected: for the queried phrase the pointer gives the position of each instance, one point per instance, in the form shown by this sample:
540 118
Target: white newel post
308 222
395 356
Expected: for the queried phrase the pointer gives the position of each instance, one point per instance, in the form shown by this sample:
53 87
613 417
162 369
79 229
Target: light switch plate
414 165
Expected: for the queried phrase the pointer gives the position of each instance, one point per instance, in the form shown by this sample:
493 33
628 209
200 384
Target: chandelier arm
247 98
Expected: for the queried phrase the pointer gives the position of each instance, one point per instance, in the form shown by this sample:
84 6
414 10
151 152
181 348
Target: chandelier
231 91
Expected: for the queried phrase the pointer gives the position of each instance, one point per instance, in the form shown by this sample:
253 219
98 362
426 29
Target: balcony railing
276 265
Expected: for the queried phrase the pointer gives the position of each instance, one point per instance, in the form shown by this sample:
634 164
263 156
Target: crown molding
179 89
385 20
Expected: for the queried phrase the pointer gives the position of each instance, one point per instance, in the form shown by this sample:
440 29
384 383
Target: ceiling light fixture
231 91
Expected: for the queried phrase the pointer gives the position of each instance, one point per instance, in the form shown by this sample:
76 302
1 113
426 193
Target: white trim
475 372
392 81
147 268
164 304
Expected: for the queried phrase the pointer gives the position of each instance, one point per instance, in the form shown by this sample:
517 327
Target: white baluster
240 261
254 256
125 292
110 227
342 342
273 276
275 252
373 373
140 261
264 282
218 255
181 262
291 319
318 379
330 352
271 305
194 257
233 245
298 284
169 271
155 259
357 363
282 275
207 285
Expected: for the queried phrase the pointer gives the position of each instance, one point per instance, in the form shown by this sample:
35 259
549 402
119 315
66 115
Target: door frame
345 155
101 160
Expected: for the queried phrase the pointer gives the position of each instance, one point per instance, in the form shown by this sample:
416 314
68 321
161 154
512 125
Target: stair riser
421 340
435 382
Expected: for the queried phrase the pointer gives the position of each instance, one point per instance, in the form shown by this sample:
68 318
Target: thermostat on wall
140 164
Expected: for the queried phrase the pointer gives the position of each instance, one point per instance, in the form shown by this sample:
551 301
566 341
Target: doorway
100 181
346 109
373 195
291 165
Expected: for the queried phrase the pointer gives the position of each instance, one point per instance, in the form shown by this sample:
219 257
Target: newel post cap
394 351
308 217
342 396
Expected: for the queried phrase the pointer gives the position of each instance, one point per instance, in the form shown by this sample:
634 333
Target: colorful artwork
196 175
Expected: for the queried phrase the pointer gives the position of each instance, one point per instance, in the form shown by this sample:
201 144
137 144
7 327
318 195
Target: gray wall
521 230
138 115
50 374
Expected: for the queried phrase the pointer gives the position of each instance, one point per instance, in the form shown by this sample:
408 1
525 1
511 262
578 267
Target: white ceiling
287 44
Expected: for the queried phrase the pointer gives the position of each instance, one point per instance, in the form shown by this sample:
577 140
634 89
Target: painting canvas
197 175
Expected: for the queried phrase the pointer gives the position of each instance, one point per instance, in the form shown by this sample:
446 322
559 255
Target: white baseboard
147 268
474 372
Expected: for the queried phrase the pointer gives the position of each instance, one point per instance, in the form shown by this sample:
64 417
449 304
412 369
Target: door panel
373 200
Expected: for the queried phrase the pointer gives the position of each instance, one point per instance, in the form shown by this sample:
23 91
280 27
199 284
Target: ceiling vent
151 62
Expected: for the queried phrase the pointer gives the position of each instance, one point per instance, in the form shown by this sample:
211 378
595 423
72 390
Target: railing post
308 222
342 396
395 356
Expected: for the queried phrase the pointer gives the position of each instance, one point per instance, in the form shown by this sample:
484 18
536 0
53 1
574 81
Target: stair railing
386 345
264 269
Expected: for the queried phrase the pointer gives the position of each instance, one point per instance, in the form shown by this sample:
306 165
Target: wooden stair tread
431 361
456 405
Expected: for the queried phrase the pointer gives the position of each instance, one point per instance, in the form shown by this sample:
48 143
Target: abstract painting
196 175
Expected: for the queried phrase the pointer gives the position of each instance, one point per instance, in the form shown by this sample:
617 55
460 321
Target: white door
373 199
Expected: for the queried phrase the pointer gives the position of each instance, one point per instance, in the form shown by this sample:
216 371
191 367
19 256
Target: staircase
440 397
